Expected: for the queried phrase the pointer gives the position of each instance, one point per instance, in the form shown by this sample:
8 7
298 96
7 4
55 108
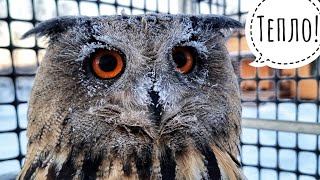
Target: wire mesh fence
290 95
274 95
19 59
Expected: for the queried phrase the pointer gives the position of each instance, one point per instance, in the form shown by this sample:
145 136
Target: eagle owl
134 97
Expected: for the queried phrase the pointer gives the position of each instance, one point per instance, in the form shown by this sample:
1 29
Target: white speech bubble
284 34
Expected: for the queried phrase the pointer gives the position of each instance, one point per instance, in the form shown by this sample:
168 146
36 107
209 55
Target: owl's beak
155 106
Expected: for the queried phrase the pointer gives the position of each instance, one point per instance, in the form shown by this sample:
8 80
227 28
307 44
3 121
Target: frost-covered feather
82 127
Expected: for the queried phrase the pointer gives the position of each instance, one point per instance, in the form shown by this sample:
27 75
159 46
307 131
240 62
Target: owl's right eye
107 64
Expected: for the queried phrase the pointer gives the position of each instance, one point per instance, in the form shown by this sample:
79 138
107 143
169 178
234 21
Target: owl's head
118 87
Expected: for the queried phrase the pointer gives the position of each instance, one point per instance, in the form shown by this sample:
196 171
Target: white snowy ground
287 158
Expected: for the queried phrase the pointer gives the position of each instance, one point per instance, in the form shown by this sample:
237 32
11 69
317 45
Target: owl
134 97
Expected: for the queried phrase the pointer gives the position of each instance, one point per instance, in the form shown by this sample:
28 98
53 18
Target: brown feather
227 165
190 165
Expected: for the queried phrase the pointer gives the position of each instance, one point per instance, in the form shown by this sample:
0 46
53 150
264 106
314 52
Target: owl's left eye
184 59
107 64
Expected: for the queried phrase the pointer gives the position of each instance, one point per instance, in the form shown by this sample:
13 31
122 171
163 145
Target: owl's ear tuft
218 25
216 22
223 22
52 27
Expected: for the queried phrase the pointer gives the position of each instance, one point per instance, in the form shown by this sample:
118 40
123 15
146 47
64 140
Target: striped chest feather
150 163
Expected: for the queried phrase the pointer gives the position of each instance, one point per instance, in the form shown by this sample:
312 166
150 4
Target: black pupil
180 59
108 63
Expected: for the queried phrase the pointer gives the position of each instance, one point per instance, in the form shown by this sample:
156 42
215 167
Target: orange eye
183 58
107 64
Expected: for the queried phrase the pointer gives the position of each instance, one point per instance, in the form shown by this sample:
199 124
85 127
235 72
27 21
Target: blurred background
281 130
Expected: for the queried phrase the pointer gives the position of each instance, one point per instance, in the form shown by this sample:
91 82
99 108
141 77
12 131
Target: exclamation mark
316 28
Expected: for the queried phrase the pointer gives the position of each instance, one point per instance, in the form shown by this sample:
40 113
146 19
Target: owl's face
132 88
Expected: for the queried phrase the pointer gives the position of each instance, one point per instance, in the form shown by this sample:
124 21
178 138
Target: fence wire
289 95
272 95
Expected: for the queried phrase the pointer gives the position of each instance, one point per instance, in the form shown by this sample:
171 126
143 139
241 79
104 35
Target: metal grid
265 91
280 138
19 59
